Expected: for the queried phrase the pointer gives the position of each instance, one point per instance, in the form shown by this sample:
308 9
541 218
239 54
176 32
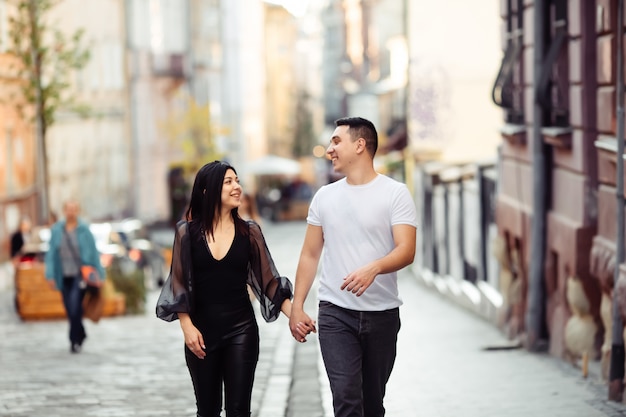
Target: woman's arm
175 298
286 307
270 288
193 337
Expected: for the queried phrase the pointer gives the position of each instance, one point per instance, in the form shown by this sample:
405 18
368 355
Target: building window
553 83
508 89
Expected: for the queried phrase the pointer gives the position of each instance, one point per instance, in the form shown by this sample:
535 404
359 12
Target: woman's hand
301 325
193 338
300 329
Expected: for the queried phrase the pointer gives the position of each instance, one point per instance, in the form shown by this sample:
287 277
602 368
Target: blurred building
89 158
207 55
365 61
148 59
159 71
452 139
244 93
559 141
18 192
451 116
281 35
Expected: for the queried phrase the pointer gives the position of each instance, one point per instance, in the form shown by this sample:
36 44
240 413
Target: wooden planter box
35 300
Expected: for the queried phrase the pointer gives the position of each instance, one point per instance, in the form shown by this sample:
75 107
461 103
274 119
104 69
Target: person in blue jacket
72 245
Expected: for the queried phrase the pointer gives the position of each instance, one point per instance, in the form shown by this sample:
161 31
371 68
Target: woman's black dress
224 315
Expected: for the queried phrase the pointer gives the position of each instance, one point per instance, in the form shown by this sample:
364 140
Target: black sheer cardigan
268 286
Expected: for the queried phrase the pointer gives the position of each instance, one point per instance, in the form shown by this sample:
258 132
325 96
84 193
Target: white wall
455 54
157 28
89 158
243 76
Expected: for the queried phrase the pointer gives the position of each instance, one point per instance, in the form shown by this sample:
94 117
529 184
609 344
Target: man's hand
52 284
300 325
360 280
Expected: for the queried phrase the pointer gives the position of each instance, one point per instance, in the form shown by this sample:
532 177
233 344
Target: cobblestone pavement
134 366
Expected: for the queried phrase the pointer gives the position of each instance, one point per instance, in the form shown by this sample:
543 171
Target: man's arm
299 321
402 255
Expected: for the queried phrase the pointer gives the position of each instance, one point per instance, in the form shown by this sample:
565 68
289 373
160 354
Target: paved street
134 366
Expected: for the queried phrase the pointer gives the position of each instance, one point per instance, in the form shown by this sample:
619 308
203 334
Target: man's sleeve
403 209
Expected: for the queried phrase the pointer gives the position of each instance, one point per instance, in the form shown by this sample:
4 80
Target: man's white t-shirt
357 222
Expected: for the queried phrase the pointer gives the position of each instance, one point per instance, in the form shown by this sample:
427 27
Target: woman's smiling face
231 190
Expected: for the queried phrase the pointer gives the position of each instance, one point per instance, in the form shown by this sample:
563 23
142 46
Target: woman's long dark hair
206 198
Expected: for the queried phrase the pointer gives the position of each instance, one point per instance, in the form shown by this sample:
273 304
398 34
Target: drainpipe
535 308
616 371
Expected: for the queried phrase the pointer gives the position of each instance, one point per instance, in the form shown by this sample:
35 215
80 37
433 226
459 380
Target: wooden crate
36 300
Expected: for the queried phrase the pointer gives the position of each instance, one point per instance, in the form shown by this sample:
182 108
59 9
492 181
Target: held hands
301 325
360 280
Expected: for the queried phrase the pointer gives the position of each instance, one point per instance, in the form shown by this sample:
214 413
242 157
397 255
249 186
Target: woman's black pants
233 363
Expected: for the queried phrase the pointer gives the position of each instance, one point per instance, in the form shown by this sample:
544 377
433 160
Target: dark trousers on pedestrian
359 350
73 301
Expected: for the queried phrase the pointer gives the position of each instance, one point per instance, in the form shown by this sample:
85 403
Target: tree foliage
304 136
47 59
191 131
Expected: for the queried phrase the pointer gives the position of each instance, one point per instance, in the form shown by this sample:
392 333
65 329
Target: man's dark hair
361 128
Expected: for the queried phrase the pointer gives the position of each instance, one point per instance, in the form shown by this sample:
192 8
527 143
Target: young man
365 226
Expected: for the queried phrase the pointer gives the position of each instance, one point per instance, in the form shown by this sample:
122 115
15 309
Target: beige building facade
18 192
89 157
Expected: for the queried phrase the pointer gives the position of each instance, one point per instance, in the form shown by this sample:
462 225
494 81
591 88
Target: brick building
565 103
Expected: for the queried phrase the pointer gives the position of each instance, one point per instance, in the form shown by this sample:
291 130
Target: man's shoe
75 348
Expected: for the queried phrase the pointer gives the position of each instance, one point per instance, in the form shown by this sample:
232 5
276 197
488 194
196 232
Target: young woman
215 254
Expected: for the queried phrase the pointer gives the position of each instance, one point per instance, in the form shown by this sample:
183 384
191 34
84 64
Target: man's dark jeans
73 302
359 350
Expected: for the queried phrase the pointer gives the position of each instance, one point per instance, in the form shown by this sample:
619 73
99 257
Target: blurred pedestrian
365 226
19 238
71 246
215 254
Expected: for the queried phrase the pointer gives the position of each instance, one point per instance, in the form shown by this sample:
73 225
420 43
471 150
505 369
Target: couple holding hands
363 227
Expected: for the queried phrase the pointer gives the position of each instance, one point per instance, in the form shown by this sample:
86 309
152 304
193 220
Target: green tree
47 59
191 131
304 139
